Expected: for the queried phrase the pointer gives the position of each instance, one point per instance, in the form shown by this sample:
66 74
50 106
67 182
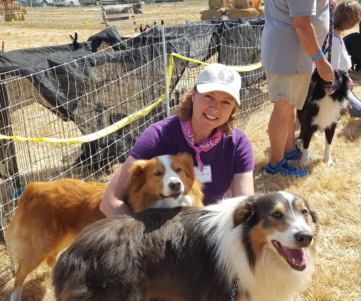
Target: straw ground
52 25
333 191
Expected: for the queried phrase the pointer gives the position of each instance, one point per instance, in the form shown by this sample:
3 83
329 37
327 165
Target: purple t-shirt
233 154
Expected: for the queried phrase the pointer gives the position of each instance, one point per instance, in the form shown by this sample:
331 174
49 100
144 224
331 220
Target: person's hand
347 107
334 4
325 70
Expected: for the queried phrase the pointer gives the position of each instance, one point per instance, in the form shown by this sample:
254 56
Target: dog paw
299 141
330 162
304 161
304 158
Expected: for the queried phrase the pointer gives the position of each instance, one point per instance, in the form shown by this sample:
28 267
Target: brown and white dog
51 214
267 242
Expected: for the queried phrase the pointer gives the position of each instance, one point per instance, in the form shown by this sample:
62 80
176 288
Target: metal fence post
165 69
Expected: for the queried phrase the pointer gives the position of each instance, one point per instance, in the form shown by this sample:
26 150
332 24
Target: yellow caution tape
129 119
99 134
237 68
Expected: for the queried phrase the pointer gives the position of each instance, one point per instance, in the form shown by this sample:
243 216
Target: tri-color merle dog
266 242
321 111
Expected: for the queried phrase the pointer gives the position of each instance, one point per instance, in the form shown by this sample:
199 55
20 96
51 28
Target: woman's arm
112 203
242 184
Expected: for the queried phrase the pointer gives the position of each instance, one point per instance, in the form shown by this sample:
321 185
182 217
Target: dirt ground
53 25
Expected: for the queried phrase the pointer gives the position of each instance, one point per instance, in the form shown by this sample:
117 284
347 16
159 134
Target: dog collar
234 289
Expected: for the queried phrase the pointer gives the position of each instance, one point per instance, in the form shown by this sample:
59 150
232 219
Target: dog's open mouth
174 196
328 90
296 258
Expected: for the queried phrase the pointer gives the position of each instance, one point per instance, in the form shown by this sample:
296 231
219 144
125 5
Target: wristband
317 56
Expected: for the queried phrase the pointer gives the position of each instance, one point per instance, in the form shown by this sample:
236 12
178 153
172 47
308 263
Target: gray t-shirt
281 49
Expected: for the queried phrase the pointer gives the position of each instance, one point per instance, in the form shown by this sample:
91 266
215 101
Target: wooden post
7 147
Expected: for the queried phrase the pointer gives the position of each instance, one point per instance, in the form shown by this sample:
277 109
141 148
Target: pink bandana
206 144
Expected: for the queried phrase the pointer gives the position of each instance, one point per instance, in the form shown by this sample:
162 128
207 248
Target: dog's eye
277 215
304 211
158 173
178 169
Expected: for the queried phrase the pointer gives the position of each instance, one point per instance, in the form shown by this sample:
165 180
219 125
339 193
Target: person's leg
290 143
286 94
281 129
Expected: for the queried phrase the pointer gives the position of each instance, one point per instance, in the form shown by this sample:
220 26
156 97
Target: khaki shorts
292 88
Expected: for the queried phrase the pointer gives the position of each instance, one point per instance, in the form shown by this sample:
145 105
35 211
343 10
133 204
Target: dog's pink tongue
328 90
297 256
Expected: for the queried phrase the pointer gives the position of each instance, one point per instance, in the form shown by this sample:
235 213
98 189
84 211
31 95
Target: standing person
347 15
203 128
291 39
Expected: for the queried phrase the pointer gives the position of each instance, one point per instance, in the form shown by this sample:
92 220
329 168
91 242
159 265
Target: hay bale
23 10
243 13
8 16
210 14
8 6
20 16
17 16
260 11
226 4
243 4
234 13
213 4
16 5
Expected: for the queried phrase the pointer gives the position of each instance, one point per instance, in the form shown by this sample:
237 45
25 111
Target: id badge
205 176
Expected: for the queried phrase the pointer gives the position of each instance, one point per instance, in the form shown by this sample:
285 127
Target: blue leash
234 289
329 37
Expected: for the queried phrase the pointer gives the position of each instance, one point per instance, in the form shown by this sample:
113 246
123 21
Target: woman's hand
112 203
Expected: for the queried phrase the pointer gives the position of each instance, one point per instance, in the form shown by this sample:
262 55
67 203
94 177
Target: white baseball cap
219 77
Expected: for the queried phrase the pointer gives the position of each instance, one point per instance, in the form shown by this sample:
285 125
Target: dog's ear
136 175
188 162
314 216
243 212
345 82
343 78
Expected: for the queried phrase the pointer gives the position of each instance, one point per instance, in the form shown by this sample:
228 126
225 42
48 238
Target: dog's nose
304 238
175 185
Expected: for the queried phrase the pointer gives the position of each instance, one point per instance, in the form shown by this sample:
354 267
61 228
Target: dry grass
52 25
333 191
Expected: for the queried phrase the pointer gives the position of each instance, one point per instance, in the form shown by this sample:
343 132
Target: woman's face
211 110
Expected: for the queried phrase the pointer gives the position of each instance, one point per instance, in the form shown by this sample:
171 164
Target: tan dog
50 215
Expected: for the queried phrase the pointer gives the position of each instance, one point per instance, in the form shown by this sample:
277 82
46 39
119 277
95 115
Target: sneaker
295 155
285 170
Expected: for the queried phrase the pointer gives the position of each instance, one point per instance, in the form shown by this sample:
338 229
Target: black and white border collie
321 111
267 242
